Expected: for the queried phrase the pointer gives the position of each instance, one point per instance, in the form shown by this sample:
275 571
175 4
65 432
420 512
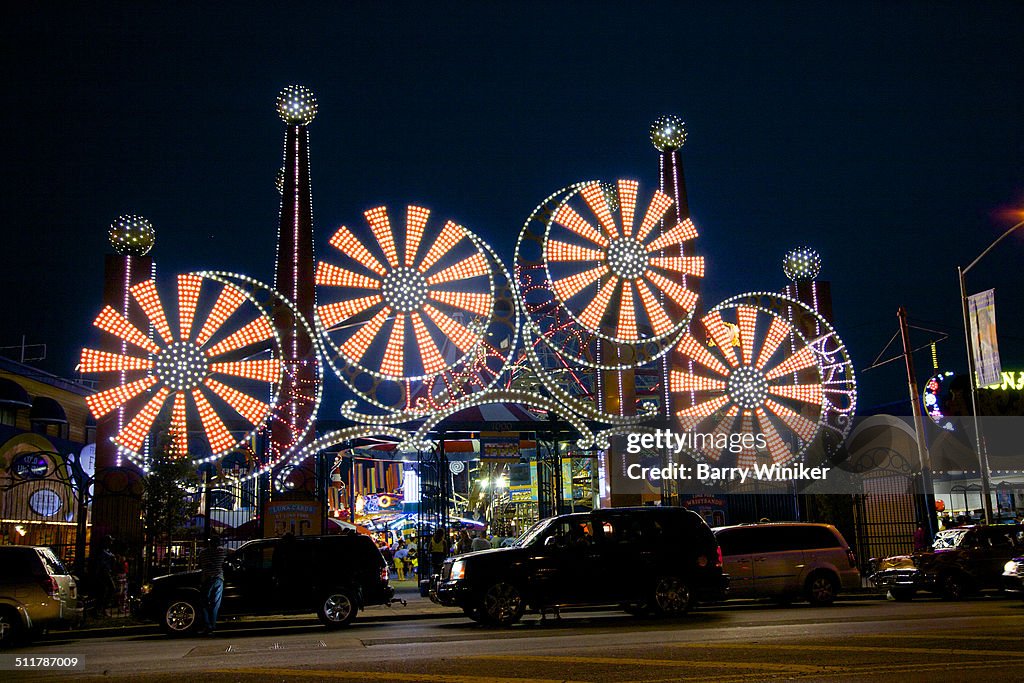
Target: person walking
438 551
211 563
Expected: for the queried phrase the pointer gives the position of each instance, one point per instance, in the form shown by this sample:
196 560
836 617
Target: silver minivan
786 561
36 592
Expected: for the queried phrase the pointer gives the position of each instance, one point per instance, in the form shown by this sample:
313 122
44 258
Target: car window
951 538
637 528
256 557
533 534
816 537
1001 539
737 541
574 532
20 563
53 565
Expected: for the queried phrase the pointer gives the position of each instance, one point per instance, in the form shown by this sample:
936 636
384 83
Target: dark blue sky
887 135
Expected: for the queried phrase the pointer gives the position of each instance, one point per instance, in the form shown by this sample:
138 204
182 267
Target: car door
998 546
618 556
571 558
248 581
738 560
778 560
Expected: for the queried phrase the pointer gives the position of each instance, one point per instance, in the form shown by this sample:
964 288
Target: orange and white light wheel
753 389
617 268
409 314
215 375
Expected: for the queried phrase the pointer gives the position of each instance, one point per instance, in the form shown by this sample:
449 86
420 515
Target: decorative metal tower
801 266
293 278
117 490
668 134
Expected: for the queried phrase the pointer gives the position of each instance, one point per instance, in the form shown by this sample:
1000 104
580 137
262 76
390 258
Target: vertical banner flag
982 307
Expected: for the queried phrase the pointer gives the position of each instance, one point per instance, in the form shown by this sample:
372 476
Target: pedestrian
464 544
400 558
480 542
920 539
438 551
102 576
412 562
211 563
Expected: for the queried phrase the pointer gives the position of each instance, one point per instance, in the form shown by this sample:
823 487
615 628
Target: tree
170 494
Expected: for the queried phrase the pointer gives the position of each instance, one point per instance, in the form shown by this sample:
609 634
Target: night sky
888 136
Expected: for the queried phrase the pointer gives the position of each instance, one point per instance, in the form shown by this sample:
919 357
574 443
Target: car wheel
10 627
953 587
902 594
671 597
820 589
337 608
181 616
473 613
502 604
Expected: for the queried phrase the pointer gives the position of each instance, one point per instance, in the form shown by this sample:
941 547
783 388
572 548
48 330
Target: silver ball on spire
132 235
611 195
296 104
801 264
668 132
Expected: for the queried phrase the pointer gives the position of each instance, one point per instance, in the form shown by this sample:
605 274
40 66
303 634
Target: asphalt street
854 640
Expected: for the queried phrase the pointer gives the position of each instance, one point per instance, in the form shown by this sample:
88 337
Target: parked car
36 592
1013 576
651 558
333 576
961 561
786 561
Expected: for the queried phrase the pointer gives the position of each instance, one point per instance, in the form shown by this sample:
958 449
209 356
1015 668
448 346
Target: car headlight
1012 567
147 588
458 570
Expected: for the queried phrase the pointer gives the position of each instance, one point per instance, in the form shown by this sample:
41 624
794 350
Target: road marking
389 676
790 668
923 636
854 648
836 672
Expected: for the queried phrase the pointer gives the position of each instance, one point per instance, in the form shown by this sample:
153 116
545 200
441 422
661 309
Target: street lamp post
986 485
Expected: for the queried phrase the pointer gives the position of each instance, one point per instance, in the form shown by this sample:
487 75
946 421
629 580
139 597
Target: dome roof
46 409
13 395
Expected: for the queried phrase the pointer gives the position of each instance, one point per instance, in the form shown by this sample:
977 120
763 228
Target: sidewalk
416 607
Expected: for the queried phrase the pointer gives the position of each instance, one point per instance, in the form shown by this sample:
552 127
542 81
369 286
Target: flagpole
986 485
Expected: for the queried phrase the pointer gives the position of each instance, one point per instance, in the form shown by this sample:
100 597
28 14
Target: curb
241 626
270 622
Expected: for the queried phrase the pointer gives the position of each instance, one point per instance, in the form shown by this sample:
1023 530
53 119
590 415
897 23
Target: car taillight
51 586
384 574
718 559
851 557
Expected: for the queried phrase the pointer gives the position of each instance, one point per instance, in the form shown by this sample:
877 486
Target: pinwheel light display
617 275
405 315
756 376
221 363
600 278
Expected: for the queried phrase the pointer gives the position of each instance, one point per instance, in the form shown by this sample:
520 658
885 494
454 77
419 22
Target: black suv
961 561
643 559
334 576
